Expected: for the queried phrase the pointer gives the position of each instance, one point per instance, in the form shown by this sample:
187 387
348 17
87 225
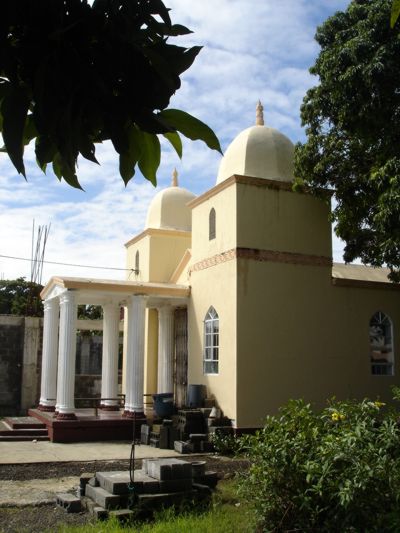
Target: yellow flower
342 416
379 404
335 416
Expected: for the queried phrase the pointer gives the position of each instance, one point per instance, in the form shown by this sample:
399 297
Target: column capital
166 309
50 303
67 297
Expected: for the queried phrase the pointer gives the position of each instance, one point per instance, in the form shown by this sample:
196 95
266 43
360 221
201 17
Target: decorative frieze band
263 256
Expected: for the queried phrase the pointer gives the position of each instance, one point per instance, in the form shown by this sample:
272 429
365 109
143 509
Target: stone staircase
22 428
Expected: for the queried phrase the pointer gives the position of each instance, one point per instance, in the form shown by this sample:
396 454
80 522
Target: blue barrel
196 395
164 404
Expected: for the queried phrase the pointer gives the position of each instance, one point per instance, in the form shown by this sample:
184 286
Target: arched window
381 344
137 262
211 224
211 342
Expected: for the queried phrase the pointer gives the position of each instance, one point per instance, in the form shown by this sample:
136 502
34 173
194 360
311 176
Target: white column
109 377
66 357
165 382
135 354
48 386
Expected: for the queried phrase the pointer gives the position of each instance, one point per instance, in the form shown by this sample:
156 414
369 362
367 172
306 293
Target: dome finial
259 114
174 182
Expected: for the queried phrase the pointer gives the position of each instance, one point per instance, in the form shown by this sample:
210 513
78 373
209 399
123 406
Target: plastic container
196 395
164 404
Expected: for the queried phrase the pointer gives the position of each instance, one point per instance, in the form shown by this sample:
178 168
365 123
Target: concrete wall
160 252
20 364
215 286
285 330
20 360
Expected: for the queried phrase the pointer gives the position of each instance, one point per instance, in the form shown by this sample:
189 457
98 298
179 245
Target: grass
226 514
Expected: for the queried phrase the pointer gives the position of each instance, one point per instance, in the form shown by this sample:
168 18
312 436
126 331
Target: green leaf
129 158
174 31
14 108
45 151
191 127
395 13
149 160
87 148
30 131
63 170
181 58
176 142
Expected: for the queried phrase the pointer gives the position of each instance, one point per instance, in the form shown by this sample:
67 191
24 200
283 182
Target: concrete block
164 437
100 513
145 434
175 485
102 497
202 489
84 479
197 437
69 502
145 465
155 442
93 482
122 515
208 478
160 470
181 446
174 434
152 502
119 482
198 468
114 482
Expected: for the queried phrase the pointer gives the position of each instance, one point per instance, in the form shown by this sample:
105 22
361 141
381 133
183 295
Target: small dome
260 152
168 209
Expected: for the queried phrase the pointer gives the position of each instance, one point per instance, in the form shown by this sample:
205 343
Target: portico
61 297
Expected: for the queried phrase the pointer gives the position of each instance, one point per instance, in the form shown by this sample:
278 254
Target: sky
258 49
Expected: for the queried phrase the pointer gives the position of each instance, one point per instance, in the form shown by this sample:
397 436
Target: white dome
168 210
260 152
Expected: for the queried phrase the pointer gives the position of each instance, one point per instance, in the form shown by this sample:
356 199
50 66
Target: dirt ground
45 516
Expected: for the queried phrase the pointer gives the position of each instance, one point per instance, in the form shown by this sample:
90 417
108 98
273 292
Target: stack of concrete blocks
188 432
192 426
160 483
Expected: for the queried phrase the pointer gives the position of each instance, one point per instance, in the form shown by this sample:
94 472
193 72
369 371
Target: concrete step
22 438
24 422
8 433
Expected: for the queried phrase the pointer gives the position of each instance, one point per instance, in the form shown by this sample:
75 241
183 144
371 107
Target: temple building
236 290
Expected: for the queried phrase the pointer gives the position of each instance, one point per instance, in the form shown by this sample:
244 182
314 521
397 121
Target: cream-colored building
236 290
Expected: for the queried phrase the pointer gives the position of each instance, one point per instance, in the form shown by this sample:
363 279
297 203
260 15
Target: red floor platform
107 425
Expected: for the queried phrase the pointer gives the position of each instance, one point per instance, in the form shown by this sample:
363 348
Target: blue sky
258 49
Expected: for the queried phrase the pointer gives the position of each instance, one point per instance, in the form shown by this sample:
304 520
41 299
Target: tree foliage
352 120
334 470
20 297
73 75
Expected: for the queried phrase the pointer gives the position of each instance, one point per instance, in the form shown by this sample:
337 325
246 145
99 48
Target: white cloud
258 49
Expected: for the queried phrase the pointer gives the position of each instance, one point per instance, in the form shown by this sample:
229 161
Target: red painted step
24 422
12 433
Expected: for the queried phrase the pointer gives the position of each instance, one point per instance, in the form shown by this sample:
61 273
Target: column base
109 407
139 415
66 416
46 408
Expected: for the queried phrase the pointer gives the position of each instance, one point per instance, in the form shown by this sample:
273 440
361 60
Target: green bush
226 443
336 470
